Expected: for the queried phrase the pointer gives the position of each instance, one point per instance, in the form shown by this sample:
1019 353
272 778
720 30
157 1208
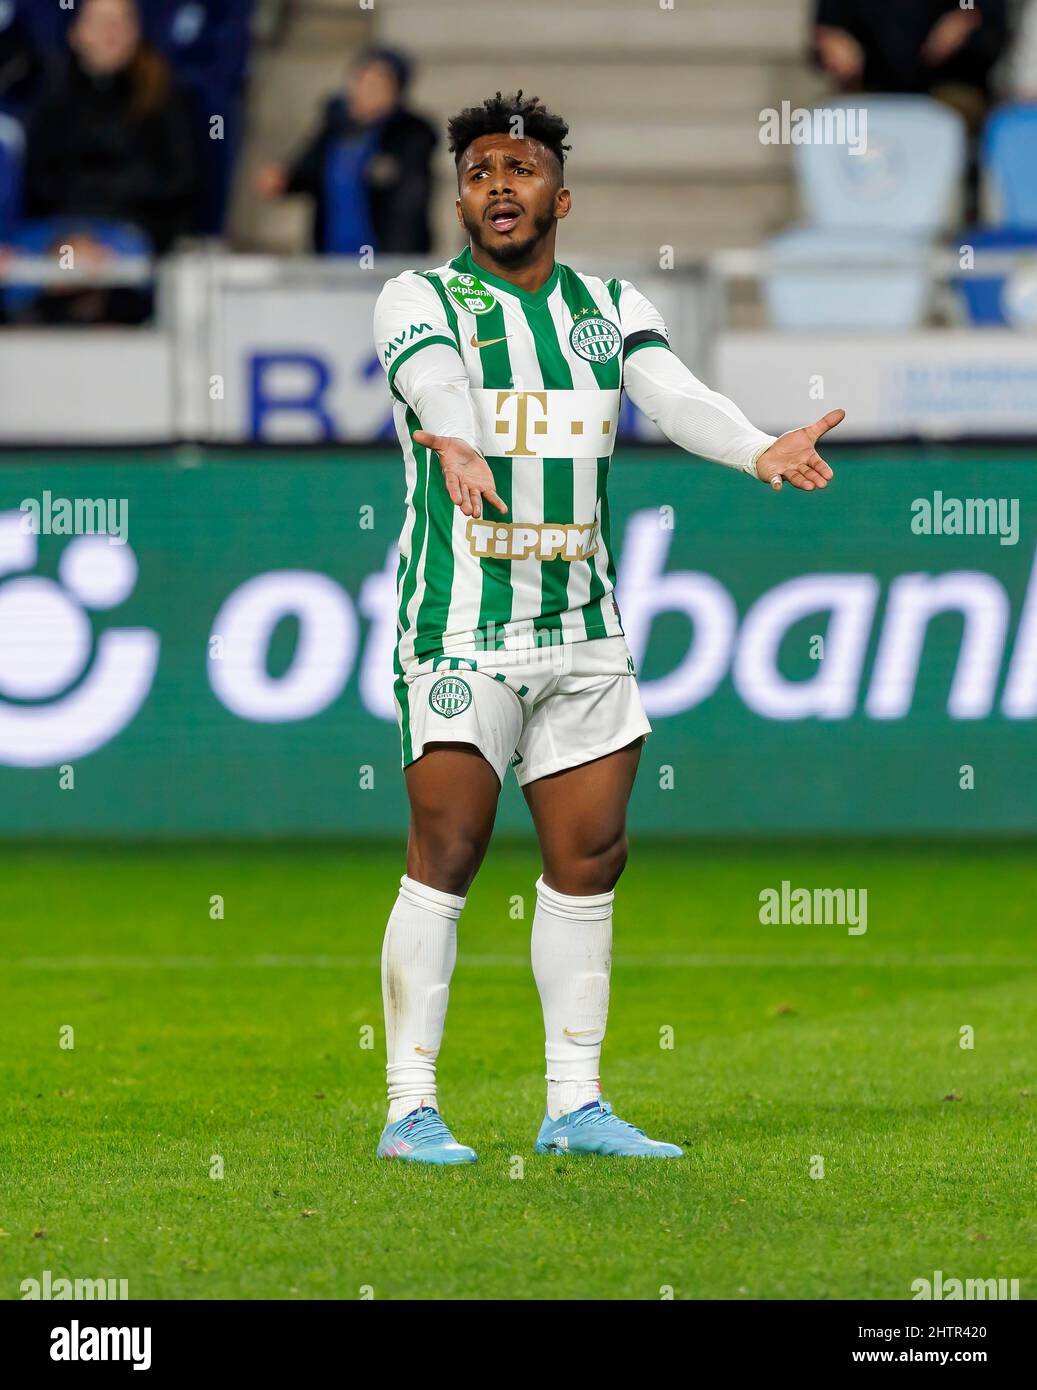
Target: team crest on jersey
450 695
470 293
595 339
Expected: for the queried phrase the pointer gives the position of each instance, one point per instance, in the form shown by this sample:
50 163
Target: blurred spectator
109 145
928 47
207 42
368 166
20 62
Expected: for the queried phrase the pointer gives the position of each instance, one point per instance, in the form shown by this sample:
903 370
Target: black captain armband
647 337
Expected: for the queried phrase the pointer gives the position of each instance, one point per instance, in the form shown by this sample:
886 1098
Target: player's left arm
703 421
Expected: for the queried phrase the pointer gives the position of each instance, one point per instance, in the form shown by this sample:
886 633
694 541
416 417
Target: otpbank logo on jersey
470 293
595 339
450 695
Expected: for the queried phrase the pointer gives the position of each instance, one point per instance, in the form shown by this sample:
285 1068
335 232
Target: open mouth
504 216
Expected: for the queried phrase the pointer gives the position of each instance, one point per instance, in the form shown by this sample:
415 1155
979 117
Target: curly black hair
497 116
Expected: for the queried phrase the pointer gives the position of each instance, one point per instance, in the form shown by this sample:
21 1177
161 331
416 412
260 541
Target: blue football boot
593 1129
422 1137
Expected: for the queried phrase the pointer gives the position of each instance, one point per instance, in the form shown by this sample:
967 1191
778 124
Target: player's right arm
417 348
704 422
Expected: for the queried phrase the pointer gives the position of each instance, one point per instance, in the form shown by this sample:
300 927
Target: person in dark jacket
111 138
926 47
206 42
110 165
368 167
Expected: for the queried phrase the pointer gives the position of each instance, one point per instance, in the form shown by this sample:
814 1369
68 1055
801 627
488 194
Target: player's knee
594 868
613 861
448 859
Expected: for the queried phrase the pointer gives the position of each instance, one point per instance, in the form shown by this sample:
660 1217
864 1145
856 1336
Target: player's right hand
466 473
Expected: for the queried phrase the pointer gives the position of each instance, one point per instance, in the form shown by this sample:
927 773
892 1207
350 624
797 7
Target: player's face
510 196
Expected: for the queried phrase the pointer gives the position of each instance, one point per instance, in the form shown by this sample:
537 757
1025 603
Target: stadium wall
821 665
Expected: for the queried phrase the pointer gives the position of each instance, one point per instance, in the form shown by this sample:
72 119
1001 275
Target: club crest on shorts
450 695
595 339
470 293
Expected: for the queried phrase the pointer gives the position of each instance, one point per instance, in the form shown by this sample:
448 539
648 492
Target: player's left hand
793 459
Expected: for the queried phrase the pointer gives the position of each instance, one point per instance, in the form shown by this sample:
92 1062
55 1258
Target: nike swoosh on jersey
488 342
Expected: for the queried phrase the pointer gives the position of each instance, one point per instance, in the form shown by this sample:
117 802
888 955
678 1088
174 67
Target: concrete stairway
664 107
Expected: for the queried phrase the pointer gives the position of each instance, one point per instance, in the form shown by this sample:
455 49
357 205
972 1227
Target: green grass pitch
243 1038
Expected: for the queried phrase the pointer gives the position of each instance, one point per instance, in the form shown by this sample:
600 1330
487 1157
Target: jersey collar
464 262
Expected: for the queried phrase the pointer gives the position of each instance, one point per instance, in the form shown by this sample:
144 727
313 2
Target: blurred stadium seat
1010 165
209 46
12 153
1009 156
36 236
1003 298
838 278
906 180
863 260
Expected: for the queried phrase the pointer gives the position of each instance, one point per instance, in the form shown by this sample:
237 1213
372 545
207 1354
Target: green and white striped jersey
545 373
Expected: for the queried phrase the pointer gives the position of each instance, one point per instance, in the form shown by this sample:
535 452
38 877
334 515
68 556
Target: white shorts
537 711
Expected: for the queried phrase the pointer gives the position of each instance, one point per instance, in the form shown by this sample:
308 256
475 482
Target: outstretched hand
793 459
466 473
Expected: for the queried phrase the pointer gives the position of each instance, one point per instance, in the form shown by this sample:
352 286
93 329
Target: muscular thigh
459 727
453 793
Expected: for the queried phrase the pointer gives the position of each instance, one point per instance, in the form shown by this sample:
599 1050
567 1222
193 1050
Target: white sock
417 961
572 957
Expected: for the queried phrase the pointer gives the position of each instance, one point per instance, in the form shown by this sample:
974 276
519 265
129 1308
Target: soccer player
506 370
